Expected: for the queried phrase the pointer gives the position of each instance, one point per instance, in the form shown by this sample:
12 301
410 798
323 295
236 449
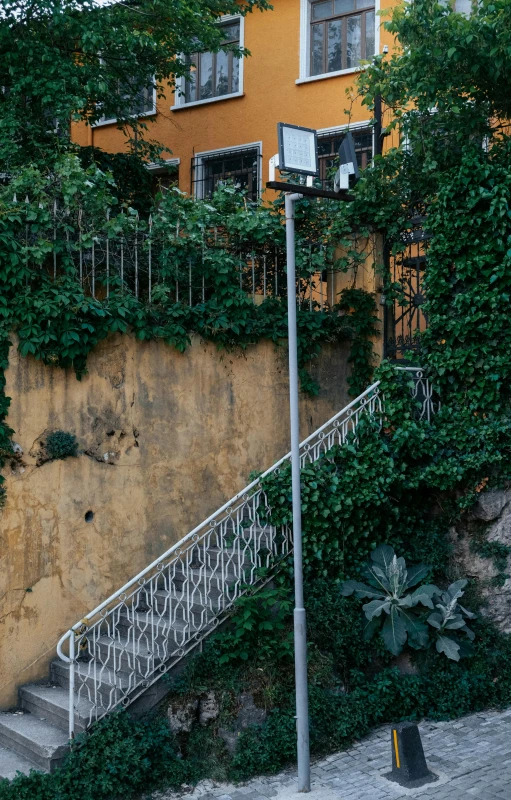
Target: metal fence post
72 686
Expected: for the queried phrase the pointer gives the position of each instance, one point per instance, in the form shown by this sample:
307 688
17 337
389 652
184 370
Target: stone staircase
35 736
118 653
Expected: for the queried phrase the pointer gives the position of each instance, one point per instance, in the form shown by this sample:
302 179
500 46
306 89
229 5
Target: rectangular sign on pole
298 149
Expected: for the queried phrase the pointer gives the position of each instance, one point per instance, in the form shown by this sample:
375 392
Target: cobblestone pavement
471 756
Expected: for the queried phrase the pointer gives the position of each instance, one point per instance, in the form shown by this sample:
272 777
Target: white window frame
113 120
179 92
169 162
304 49
205 155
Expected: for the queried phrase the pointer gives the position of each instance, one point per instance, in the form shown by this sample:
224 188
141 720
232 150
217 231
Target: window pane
222 73
191 85
363 147
370 24
231 32
317 49
238 168
365 3
353 42
322 10
344 6
235 82
206 75
334 45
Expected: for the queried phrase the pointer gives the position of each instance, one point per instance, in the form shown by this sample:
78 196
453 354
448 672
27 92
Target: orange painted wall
270 95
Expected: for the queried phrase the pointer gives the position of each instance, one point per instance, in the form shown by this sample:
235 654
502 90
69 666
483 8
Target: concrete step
125 656
12 763
51 702
159 634
172 605
35 739
92 678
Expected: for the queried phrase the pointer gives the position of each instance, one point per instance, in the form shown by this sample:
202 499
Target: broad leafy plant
399 614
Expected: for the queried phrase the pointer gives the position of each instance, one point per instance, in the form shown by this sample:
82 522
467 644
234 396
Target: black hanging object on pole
378 135
348 172
409 766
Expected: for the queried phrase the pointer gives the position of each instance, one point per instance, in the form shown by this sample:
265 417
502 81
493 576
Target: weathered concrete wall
166 438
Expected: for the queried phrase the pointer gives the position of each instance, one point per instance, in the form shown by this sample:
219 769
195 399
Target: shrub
61 444
120 757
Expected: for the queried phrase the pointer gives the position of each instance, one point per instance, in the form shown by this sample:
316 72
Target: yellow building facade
304 59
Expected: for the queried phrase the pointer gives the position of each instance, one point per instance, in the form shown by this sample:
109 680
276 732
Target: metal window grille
328 148
342 34
405 319
241 167
215 74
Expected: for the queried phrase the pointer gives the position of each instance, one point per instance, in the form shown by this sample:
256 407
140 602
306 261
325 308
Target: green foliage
61 444
68 60
133 181
395 612
60 323
119 757
498 551
363 691
256 632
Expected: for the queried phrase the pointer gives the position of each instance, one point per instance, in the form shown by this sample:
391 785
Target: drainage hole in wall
89 516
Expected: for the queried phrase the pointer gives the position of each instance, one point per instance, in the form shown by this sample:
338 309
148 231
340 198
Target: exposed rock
405 665
247 716
490 504
181 716
497 598
500 531
209 708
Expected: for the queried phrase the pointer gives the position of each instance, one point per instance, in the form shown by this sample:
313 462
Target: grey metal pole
300 631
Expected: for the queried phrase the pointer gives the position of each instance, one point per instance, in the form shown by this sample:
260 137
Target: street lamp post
300 630
298 153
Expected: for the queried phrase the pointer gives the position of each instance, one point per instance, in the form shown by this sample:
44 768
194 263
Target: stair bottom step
33 738
12 763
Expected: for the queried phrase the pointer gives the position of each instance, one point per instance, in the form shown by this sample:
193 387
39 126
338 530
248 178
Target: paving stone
472 757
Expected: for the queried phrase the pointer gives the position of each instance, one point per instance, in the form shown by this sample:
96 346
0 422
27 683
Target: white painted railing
141 631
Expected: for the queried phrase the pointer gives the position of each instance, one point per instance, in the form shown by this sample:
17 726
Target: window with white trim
341 34
240 166
143 104
215 75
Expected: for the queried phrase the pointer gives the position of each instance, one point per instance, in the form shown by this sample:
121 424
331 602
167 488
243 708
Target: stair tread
38 734
56 696
11 763
86 670
149 618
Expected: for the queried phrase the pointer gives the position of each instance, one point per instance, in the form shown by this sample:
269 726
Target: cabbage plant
399 612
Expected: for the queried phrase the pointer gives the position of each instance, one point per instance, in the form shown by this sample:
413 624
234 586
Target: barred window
215 74
342 34
240 167
328 149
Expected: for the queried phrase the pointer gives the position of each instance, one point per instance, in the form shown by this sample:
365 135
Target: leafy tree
82 60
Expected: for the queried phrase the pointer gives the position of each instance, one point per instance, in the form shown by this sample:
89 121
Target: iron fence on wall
128 253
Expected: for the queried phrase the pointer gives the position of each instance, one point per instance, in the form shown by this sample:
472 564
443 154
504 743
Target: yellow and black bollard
409 766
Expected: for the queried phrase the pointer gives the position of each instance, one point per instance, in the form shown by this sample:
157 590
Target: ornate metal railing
140 632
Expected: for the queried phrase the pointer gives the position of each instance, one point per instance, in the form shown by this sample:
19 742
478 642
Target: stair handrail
335 430
178 545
